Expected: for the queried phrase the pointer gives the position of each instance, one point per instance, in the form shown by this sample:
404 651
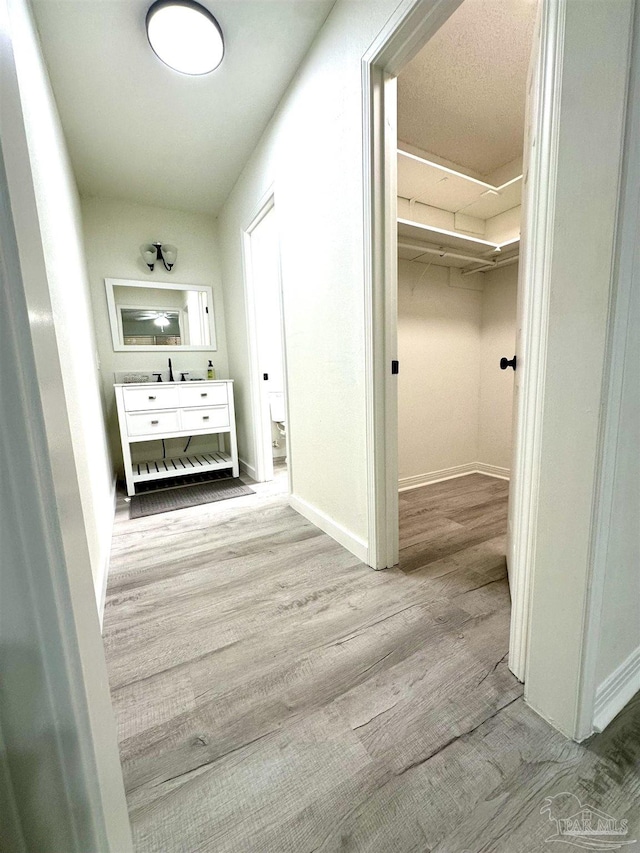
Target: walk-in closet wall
454 402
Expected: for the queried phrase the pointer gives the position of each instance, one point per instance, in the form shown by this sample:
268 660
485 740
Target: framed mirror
154 315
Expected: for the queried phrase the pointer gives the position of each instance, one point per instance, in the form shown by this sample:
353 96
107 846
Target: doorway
265 331
461 107
396 45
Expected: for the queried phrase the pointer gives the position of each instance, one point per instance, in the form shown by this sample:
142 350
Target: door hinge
265 376
395 367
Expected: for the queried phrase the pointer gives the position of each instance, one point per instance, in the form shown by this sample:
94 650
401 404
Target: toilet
278 413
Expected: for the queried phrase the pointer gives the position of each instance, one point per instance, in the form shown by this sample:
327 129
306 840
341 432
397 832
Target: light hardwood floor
274 695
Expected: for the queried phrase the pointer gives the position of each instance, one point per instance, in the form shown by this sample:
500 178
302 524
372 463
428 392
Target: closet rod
445 253
502 263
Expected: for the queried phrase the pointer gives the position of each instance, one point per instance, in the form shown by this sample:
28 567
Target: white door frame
403 36
261 428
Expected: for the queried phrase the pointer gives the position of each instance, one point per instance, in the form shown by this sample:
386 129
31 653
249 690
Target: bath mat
166 500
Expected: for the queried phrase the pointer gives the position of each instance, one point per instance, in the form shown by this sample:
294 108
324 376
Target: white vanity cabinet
160 410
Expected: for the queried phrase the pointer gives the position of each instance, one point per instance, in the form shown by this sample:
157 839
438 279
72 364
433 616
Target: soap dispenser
211 374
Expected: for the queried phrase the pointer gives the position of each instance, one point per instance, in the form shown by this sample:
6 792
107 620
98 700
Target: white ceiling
138 130
462 98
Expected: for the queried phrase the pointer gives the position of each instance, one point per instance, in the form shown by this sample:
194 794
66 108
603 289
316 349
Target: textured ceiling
137 130
463 96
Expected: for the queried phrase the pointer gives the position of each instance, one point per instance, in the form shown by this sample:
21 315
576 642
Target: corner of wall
354 544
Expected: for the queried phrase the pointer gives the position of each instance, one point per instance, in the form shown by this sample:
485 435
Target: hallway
273 694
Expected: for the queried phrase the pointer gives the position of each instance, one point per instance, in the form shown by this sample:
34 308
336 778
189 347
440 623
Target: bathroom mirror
153 315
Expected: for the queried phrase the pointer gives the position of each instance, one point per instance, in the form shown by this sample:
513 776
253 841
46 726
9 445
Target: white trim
285 360
101 586
379 236
402 37
249 470
493 471
616 690
262 428
406 32
405 484
534 287
344 537
262 473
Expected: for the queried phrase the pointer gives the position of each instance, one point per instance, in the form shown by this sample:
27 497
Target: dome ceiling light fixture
185 36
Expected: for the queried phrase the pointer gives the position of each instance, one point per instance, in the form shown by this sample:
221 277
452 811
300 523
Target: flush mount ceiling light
185 36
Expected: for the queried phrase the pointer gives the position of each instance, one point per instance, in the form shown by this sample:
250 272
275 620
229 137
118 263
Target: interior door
265 266
518 425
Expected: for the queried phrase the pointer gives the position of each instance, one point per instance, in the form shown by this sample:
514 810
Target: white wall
581 242
313 149
114 231
439 379
497 339
617 670
454 403
620 620
61 230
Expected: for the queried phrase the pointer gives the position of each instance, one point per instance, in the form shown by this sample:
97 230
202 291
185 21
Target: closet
458 242
461 106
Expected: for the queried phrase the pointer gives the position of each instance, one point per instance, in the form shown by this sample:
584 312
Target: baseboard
344 537
247 469
406 483
101 585
492 471
415 482
616 690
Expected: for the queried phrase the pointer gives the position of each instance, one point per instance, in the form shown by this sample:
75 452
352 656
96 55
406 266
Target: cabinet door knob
153 423
204 394
205 417
152 398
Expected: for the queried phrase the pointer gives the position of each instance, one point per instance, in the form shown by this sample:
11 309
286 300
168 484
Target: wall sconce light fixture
152 252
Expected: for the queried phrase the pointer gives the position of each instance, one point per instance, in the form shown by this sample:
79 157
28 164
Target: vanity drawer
151 397
197 394
146 423
203 419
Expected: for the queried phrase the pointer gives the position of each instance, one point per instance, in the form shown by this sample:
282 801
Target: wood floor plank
274 695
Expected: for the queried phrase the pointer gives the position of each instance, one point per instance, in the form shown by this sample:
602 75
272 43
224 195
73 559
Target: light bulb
169 253
149 254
